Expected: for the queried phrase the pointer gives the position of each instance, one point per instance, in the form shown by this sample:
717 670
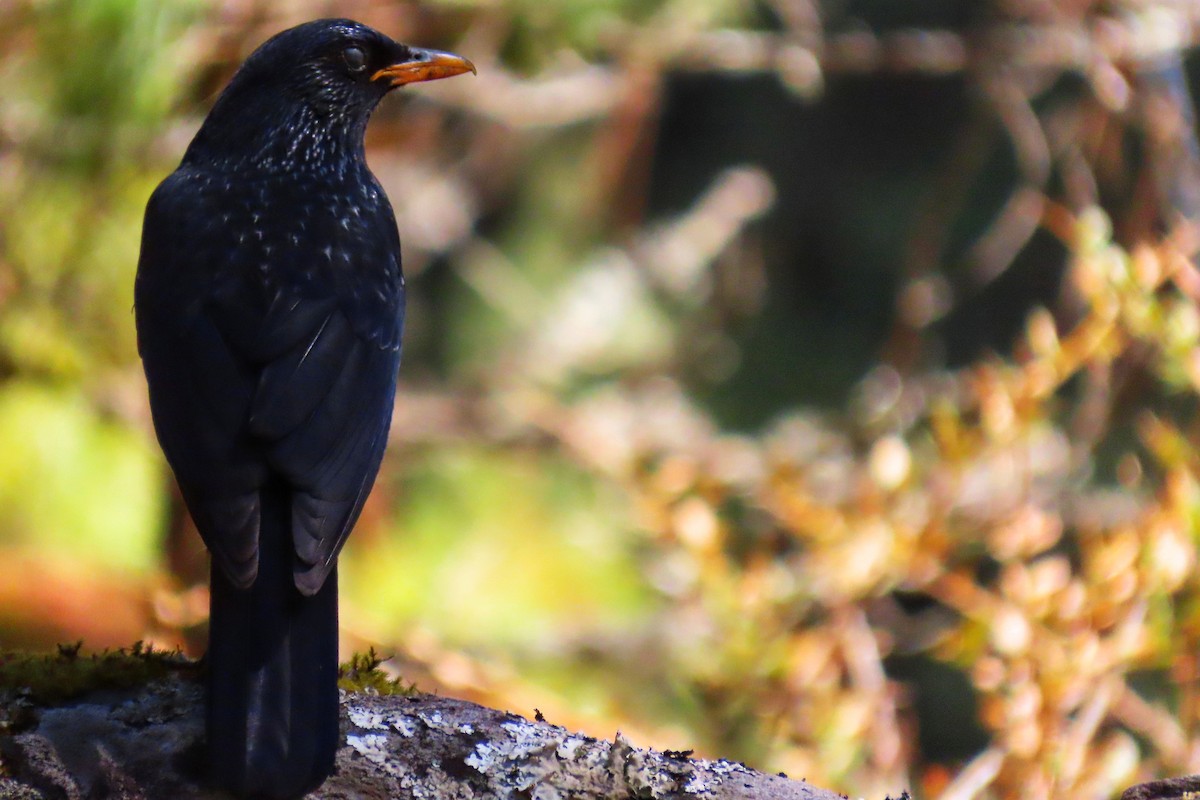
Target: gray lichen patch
547 761
650 774
435 721
371 746
464 750
369 719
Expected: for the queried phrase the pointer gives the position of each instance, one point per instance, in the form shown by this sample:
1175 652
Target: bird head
321 79
343 63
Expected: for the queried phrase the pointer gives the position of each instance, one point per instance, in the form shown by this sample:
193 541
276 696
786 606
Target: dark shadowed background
806 383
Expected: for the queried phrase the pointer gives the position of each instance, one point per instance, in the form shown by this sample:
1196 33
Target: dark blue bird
270 303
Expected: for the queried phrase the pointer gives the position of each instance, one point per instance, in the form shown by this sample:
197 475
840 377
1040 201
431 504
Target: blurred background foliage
806 383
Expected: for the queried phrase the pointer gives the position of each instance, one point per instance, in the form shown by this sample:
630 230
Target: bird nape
269 303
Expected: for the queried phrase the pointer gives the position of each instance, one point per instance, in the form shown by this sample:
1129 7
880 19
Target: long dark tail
272 686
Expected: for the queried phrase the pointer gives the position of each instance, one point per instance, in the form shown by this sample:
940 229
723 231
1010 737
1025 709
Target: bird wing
270 355
325 408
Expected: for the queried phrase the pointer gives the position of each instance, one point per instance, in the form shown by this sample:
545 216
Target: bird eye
355 58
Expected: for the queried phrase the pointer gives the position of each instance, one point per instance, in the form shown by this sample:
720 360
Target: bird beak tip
428 65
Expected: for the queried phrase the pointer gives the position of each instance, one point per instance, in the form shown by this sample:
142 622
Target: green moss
362 674
33 680
29 680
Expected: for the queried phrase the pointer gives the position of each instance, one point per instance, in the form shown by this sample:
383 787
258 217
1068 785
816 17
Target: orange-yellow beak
425 65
